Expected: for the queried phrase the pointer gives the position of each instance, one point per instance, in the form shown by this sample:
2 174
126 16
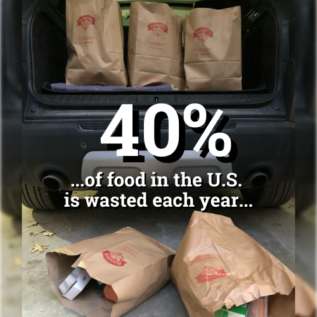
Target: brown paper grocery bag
95 43
218 264
213 49
133 264
155 53
305 299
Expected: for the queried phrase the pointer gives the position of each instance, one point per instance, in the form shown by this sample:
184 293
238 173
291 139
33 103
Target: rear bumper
62 147
190 163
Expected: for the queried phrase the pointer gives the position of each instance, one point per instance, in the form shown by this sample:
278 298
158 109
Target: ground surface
273 228
11 262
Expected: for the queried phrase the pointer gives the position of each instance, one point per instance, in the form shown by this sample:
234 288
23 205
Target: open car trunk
261 60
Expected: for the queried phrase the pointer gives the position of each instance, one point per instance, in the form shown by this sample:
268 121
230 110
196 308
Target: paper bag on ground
95 43
305 299
213 49
218 264
131 263
155 46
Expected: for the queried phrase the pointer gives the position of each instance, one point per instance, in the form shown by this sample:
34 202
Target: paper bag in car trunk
133 264
218 264
213 49
155 46
95 43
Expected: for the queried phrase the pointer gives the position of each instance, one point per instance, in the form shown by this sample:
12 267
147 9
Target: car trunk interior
48 56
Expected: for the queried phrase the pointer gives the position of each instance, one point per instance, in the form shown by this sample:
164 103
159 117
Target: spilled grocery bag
155 54
217 265
94 43
128 265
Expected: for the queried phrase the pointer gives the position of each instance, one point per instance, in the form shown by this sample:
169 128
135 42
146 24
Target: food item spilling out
126 268
74 283
95 43
239 311
217 265
155 46
213 49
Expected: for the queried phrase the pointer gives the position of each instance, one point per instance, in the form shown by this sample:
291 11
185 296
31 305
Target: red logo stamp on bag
209 274
203 33
201 258
158 28
85 20
114 258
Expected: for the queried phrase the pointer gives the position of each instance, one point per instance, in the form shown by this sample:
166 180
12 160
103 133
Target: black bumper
266 146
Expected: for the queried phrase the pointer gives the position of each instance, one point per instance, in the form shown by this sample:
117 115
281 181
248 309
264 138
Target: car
11 112
62 130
